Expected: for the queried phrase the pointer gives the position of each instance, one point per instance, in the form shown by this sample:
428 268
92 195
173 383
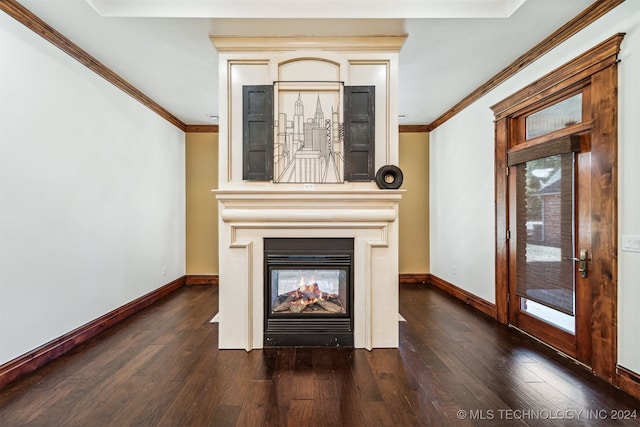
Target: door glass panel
549 315
545 233
558 116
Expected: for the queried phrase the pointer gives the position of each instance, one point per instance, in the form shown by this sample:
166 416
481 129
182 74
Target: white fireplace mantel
367 216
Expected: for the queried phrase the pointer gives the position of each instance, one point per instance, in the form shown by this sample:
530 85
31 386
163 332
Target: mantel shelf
324 194
313 206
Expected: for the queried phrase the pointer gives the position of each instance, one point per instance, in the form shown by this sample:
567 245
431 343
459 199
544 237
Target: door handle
582 262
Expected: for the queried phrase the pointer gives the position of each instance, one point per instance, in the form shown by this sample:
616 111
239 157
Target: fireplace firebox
308 292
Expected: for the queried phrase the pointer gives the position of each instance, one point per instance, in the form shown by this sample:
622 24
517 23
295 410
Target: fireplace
251 218
258 208
308 292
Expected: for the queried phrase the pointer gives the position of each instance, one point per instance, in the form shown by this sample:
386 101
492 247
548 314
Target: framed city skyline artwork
309 135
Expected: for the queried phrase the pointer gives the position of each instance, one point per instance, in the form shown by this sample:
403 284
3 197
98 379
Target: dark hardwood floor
455 367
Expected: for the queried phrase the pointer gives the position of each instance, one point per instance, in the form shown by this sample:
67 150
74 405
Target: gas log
307 297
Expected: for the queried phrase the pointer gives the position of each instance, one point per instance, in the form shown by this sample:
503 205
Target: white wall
629 187
461 208
461 177
92 194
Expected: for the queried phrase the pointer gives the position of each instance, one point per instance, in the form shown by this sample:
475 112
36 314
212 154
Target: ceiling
162 47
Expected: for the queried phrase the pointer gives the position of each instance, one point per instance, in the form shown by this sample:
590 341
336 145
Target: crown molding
308 9
202 129
414 128
356 43
585 18
47 32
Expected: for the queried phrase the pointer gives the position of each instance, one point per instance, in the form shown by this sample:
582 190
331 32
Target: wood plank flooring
455 367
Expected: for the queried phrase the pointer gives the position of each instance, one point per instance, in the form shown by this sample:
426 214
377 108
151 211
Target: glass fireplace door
309 291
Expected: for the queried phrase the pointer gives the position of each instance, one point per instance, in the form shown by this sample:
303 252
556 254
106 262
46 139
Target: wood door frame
598 69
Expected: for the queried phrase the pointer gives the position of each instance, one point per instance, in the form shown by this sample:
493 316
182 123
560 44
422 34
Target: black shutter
257 133
359 133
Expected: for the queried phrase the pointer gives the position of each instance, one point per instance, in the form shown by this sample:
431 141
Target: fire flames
306 295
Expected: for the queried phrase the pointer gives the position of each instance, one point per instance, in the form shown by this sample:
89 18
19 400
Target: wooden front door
523 124
550 241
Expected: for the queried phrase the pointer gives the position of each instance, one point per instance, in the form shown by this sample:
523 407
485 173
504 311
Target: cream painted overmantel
250 211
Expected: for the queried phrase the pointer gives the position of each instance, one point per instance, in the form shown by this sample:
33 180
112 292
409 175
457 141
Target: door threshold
559 352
